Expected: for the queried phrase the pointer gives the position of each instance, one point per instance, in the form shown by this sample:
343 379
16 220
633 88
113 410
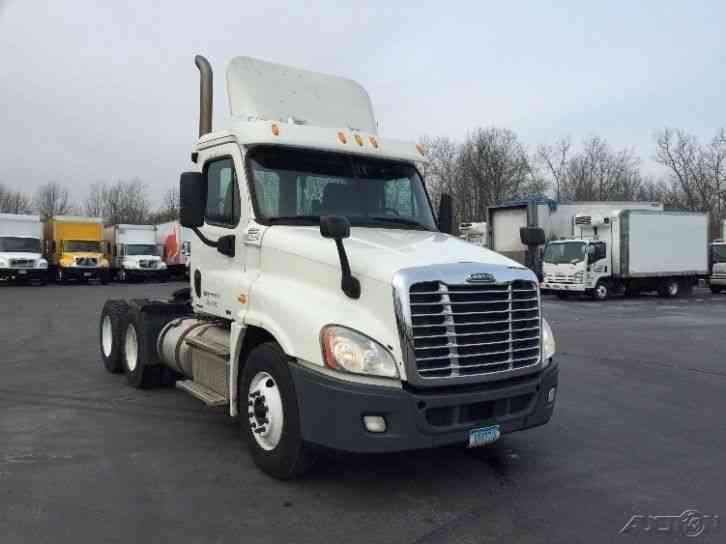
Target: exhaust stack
205 95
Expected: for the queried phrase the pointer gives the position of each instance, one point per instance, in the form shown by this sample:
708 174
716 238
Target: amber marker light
358 139
420 148
342 138
275 129
373 142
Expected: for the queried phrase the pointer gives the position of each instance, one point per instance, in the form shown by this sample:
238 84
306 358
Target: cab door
216 278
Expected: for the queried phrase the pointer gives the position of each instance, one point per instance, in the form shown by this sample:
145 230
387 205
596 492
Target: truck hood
378 253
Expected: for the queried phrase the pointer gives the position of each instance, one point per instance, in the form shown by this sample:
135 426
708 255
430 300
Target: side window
223 206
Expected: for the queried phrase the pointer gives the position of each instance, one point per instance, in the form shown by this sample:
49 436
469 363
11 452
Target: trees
14 201
52 199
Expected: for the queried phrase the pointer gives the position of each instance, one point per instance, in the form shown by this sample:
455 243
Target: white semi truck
21 258
630 250
327 307
176 243
134 253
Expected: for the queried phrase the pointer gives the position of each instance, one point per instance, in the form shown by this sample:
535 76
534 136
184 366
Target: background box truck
134 253
176 247
75 249
634 250
21 256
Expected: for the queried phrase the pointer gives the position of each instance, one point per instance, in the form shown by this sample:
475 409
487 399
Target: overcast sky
98 91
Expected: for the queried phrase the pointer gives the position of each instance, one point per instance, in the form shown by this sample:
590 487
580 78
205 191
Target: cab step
203 393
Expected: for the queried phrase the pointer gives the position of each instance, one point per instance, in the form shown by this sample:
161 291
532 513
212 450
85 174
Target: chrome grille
22 263
86 261
147 263
469 330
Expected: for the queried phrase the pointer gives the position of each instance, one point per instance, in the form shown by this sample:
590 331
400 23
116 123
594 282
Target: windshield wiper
400 221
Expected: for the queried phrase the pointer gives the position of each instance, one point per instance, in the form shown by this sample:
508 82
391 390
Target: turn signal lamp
342 138
275 129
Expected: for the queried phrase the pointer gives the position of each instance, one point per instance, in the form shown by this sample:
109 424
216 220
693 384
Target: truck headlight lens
548 342
3 263
41 263
162 266
350 351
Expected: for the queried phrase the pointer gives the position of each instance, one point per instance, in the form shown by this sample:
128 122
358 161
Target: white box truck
475 232
21 249
134 253
176 247
631 250
327 307
717 280
556 219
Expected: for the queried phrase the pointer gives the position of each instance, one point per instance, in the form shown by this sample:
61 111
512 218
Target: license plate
21 272
86 274
484 436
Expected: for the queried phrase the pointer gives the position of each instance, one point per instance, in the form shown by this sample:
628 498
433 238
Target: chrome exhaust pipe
205 95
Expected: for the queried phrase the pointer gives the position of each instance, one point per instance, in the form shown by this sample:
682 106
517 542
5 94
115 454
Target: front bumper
718 279
145 273
83 273
332 410
572 287
23 273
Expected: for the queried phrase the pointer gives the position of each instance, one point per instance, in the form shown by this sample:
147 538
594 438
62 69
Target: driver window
223 205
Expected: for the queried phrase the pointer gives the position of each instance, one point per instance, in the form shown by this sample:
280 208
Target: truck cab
75 249
134 253
717 280
328 306
21 256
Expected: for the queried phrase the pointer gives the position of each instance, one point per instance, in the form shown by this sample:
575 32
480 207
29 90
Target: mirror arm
349 284
206 241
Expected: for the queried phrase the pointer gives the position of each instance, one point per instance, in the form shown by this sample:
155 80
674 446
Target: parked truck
75 249
326 305
133 252
475 232
631 250
21 258
176 244
717 280
556 219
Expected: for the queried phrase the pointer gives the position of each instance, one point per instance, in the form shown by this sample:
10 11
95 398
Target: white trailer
634 250
176 247
134 253
21 249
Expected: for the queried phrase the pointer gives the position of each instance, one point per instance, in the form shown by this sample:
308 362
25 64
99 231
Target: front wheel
601 291
669 288
272 424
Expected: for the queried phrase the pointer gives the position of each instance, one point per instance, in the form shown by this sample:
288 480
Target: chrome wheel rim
673 289
602 291
131 348
106 336
264 411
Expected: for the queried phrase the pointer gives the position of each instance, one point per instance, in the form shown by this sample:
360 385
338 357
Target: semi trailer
631 250
75 250
175 242
133 252
21 258
327 307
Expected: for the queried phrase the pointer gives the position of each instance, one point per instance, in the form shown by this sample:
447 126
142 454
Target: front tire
601 291
111 330
272 422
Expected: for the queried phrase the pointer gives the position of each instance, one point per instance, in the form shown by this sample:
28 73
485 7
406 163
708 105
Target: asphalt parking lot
639 429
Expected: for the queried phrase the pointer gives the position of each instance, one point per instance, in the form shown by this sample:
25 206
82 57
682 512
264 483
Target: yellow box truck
75 249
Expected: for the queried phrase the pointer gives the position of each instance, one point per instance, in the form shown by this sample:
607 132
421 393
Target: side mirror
446 214
192 199
591 251
338 228
335 227
532 236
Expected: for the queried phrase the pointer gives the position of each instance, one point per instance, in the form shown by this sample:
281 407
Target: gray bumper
23 273
332 411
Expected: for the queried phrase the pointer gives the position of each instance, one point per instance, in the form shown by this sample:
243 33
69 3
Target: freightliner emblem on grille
480 277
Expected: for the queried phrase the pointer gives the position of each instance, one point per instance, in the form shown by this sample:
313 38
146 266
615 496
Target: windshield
564 252
14 243
141 249
295 187
82 245
719 253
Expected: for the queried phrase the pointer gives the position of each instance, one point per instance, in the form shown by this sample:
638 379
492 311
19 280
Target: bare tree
125 202
52 199
555 158
169 210
93 206
14 201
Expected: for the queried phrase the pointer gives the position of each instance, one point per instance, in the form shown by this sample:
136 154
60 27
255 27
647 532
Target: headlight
41 263
548 342
162 266
131 265
3 263
104 263
350 351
